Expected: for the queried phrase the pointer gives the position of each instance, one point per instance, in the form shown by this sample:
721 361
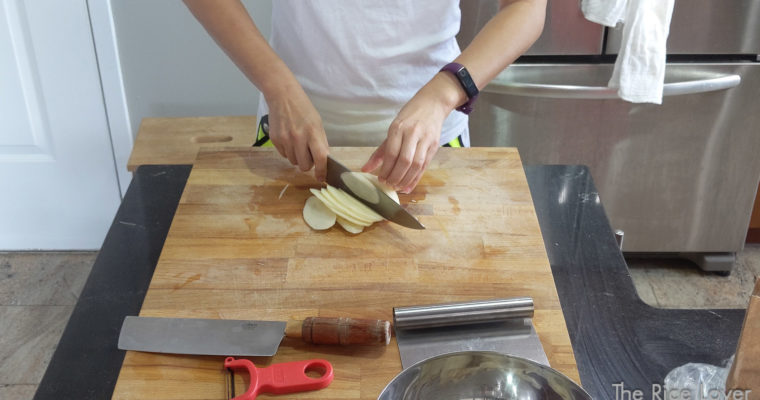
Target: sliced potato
349 227
385 188
350 215
338 209
317 215
356 207
330 205
360 186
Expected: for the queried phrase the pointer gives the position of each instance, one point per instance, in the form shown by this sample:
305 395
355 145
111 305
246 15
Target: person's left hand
413 138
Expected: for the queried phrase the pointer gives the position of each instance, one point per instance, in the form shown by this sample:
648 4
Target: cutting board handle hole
211 139
315 371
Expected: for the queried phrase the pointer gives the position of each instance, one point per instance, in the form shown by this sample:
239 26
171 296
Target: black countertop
617 339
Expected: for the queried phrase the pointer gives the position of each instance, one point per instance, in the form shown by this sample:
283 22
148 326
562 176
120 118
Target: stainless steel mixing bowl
481 375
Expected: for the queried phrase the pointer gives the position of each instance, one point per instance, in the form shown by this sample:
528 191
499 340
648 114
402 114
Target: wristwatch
464 78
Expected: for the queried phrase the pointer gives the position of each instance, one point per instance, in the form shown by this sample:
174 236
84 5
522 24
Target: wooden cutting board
238 248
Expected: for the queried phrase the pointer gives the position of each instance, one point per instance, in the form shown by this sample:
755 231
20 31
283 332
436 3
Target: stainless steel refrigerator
678 178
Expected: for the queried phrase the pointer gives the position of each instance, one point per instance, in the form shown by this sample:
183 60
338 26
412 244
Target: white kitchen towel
604 12
639 72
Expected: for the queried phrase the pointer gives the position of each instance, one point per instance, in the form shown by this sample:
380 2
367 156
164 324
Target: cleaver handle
340 331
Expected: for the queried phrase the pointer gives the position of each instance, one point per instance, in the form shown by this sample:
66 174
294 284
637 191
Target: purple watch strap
470 89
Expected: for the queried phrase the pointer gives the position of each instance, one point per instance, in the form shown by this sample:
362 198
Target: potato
353 217
349 227
356 207
330 205
317 215
385 188
338 209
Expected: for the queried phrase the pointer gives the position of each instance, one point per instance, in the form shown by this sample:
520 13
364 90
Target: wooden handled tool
342 331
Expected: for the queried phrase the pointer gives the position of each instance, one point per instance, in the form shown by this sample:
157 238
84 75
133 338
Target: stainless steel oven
677 178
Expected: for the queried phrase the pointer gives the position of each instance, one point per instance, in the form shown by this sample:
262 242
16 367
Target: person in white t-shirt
386 73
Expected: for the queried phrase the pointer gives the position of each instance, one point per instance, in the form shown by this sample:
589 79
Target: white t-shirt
360 61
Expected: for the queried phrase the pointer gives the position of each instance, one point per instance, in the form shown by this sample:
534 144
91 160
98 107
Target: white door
58 183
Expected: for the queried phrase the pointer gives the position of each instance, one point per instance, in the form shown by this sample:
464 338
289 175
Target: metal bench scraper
502 325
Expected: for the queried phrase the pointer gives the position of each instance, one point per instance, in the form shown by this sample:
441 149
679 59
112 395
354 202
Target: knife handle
340 331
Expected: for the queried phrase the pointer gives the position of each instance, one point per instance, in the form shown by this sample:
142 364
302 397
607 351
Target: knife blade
370 195
243 337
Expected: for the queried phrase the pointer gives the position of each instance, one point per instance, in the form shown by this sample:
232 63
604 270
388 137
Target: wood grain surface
177 140
238 248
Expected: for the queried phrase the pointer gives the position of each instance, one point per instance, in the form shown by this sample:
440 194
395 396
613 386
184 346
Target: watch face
469 86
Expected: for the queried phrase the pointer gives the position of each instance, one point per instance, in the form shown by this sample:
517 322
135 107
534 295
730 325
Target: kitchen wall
172 68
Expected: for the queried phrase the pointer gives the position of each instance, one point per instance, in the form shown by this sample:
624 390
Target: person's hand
413 137
295 129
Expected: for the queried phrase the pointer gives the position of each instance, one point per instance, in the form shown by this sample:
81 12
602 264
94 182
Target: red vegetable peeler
282 378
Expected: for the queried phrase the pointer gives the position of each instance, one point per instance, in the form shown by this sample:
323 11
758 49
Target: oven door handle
604 92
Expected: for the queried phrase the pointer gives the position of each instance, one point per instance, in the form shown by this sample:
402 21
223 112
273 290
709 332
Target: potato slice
317 215
360 186
356 207
350 215
337 208
349 212
349 227
385 188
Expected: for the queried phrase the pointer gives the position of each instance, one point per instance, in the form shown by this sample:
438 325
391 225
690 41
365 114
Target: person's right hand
295 129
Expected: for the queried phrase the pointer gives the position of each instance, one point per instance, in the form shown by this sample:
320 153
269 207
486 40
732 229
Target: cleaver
361 189
244 338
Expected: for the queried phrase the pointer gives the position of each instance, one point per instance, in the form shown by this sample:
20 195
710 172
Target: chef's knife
244 338
361 189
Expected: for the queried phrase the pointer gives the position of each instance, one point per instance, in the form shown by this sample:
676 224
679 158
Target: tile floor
677 283
38 291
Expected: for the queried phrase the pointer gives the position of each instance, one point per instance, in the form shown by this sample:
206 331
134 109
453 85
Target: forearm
504 38
501 41
228 22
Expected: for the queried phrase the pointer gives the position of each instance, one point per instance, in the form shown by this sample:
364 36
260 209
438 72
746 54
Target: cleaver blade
201 336
242 337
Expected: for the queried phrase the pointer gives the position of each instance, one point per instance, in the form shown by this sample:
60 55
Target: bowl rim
491 353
